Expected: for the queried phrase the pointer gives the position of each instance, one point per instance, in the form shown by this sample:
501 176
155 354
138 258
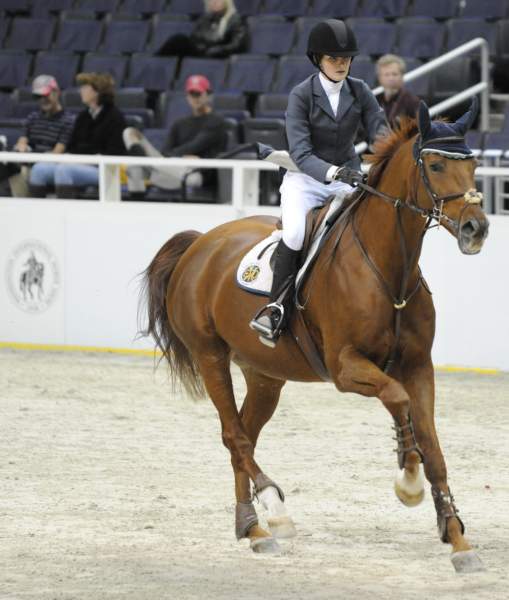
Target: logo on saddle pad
33 278
251 273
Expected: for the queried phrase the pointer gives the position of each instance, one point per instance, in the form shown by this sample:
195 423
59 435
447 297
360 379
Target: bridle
434 214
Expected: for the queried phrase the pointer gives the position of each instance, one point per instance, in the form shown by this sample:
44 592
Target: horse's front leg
356 373
419 381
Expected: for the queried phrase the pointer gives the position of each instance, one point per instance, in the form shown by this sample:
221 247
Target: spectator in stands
201 135
97 130
47 129
395 99
219 32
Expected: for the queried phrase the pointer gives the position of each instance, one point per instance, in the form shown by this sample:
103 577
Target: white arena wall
94 251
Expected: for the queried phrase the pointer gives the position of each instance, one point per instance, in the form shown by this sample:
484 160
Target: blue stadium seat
186 7
4 26
487 9
6 105
132 102
271 106
451 78
14 68
386 9
374 36
231 105
12 133
62 65
125 36
78 35
420 37
251 73
287 8
438 9
421 86
502 39
271 35
30 34
460 31
326 9
151 72
291 70
266 131
213 69
157 137
45 8
364 68
143 7
164 29
15 6
303 27
98 6
248 8
497 141
475 139
115 64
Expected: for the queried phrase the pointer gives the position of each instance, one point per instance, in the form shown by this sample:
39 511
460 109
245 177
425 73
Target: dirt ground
115 487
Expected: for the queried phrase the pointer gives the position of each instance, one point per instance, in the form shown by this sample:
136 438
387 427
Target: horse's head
447 188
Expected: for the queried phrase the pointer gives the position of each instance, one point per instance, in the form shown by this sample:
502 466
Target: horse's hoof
467 561
282 527
409 491
265 545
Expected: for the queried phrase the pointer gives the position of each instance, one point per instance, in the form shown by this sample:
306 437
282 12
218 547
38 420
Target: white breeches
299 194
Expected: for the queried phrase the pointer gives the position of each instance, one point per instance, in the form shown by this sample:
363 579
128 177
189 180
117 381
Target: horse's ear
423 119
466 121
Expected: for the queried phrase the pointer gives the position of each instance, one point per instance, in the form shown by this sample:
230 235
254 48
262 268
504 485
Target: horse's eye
436 167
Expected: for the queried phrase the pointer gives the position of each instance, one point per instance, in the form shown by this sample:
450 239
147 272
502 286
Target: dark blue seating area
64 37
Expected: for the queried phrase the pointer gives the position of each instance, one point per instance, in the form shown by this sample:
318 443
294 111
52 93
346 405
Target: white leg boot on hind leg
280 524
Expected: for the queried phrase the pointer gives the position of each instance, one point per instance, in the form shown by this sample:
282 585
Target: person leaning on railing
97 130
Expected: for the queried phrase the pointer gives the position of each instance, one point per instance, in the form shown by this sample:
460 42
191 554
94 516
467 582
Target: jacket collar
345 98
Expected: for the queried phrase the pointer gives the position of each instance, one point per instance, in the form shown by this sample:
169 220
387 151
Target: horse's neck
378 228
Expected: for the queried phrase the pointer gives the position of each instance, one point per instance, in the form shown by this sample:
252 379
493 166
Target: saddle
255 270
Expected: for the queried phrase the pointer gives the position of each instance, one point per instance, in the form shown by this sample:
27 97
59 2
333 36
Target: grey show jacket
316 138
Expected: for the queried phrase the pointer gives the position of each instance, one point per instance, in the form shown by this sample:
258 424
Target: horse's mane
385 147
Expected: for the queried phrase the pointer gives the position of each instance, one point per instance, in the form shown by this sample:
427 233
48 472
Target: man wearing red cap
201 135
47 130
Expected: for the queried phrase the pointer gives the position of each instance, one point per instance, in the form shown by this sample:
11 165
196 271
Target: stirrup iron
264 323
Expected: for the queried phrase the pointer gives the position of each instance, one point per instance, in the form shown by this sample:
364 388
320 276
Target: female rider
322 118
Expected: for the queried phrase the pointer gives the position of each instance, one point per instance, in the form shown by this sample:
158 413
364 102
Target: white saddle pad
255 273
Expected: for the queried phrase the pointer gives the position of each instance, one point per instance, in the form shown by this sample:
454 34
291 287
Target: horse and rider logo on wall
33 278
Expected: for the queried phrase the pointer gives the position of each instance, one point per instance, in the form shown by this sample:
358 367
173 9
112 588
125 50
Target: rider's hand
347 175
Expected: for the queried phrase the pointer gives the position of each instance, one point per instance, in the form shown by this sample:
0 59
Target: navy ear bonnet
447 139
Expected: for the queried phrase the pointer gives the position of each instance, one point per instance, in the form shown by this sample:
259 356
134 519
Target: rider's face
335 67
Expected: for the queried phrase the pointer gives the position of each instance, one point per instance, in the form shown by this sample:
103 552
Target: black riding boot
272 318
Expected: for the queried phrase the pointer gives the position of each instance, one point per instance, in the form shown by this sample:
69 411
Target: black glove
350 176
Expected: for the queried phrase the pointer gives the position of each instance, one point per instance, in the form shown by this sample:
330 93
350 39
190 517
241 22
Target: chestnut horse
364 282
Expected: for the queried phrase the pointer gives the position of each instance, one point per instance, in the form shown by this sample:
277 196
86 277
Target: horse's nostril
470 227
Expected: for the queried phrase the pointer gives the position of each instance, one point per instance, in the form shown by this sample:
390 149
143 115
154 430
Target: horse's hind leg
259 405
214 365
358 374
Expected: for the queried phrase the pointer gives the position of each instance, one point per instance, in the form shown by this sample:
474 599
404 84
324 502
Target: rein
433 214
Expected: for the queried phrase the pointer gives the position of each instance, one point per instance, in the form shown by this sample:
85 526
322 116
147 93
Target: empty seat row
287 8
420 37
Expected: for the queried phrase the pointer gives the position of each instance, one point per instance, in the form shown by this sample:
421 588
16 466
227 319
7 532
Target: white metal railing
479 88
245 173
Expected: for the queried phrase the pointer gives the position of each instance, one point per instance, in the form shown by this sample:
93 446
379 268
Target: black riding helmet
332 37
